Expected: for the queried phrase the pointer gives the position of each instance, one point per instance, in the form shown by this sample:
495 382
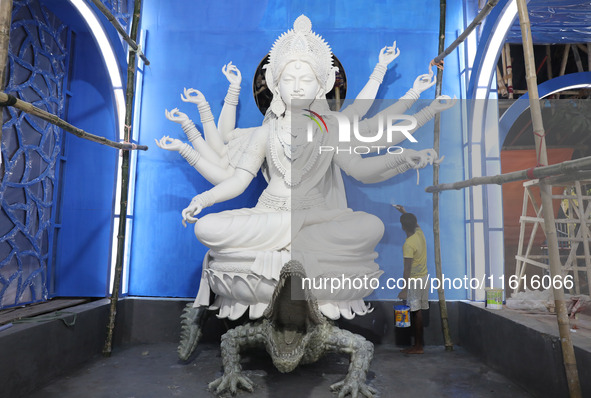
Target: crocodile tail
192 320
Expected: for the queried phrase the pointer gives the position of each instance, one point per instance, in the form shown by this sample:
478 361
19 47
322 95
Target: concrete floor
153 371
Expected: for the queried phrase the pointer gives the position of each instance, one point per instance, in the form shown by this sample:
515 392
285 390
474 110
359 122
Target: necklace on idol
291 175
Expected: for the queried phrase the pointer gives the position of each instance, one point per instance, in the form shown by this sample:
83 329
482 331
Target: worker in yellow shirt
416 292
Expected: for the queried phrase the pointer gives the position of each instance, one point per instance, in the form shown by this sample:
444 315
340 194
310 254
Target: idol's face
298 82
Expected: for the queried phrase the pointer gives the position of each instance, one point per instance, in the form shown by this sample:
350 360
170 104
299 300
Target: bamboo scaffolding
129 94
436 235
575 231
481 15
560 169
584 229
520 266
55 120
574 176
5 22
568 353
119 28
549 64
504 66
502 87
507 50
578 60
567 92
564 60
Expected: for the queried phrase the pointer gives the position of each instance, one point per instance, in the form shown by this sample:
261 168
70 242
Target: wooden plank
570 197
11 314
538 210
558 221
533 262
543 256
519 264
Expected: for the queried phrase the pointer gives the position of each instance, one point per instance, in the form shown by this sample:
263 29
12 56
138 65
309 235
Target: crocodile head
294 316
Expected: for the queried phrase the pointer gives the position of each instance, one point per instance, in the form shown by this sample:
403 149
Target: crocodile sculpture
294 332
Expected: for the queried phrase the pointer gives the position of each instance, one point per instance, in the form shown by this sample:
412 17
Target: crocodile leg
232 342
361 352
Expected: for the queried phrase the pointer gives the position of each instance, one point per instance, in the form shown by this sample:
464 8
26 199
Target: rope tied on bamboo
439 64
10 101
542 136
530 172
137 50
129 146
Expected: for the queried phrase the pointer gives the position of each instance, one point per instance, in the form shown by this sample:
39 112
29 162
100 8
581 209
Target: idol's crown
301 43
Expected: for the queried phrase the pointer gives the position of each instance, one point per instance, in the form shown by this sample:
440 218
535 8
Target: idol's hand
198 203
193 96
420 159
424 82
191 211
431 156
232 73
388 54
170 144
176 116
442 103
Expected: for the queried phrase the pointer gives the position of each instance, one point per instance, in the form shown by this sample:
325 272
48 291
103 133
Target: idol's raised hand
176 116
170 144
232 73
193 96
388 54
443 102
420 159
424 82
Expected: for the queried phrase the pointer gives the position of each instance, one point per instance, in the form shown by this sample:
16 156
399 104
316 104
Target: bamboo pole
583 48
583 230
564 179
507 50
5 22
501 87
549 62
564 60
566 92
436 235
129 94
519 263
481 15
119 28
578 60
55 120
562 169
504 65
568 353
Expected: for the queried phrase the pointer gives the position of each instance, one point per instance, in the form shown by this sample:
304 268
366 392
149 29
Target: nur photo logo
356 135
